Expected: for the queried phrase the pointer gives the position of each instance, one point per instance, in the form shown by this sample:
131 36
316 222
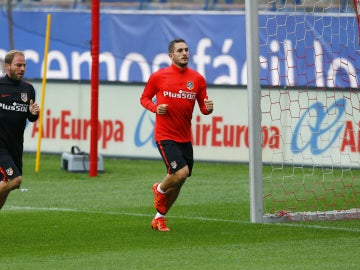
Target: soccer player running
176 89
17 104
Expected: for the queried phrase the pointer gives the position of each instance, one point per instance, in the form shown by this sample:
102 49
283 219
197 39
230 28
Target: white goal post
254 96
303 59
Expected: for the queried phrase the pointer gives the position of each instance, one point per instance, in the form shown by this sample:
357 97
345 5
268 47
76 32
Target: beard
16 76
182 62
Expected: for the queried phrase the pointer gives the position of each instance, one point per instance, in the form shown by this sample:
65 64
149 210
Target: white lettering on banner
59 66
200 58
337 66
128 61
159 60
228 61
60 60
65 127
77 60
32 55
318 52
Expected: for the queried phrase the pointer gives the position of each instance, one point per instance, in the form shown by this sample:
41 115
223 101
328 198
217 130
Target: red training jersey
179 88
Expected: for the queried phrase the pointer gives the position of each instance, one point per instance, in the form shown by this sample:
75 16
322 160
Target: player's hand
209 104
161 109
34 108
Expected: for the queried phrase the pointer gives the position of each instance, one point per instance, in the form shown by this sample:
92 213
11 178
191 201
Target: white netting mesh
310 62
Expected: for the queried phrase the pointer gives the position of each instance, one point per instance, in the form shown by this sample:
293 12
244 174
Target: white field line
292 224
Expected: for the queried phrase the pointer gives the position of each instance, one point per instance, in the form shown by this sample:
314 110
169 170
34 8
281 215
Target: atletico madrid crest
173 164
24 97
190 85
9 171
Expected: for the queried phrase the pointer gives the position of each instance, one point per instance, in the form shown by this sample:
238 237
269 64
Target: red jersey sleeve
149 92
202 95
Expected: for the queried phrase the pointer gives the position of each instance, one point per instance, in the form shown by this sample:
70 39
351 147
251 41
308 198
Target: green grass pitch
73 221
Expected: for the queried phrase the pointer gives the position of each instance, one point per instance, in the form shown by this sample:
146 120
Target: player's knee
18 179
182 174
16 182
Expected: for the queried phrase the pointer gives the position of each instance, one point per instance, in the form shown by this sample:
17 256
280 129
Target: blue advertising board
313 50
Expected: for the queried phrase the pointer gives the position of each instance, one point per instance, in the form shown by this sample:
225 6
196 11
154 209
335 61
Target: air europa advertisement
314 127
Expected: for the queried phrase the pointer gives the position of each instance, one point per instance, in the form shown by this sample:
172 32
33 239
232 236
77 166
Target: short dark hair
173 42
9 57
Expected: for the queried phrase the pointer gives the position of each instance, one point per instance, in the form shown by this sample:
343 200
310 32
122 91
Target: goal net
309 67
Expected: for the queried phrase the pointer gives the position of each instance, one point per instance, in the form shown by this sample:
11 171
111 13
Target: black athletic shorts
176 155
8 168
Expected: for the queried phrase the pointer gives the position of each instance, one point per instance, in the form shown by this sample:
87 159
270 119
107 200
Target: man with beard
17 105
176 89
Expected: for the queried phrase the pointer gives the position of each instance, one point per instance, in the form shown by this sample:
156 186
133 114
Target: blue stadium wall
133 45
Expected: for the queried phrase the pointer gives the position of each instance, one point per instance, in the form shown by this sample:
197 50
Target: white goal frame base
284 216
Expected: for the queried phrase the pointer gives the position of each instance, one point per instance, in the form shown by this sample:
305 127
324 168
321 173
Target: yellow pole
37 164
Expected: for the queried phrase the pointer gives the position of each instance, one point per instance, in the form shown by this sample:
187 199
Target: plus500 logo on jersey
180 94
14 107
